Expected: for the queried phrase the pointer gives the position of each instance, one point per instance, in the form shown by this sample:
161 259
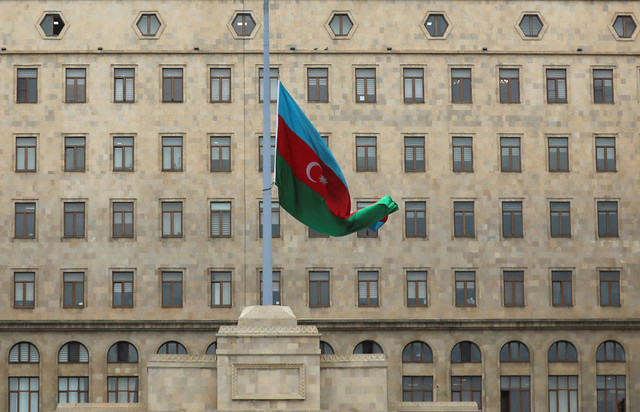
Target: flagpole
267 262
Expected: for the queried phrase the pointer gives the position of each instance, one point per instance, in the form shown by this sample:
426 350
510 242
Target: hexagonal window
243 24
148 24
531 25
52 24
624 26
341 24
436 25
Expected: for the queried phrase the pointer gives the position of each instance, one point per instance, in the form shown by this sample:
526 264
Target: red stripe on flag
312 171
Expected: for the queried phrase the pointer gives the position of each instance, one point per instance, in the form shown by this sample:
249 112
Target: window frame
221 282
523 352
173 215
416 388
463 147
419 284
508 82
568 389
520 390
558 154
467 284
174 82
614 294
272 142
512 215
317 98
114 389
117 346
368 302
18 391
24 286
123 215
72 214
273 84
475 383
513 152
77 97
220 79
556 99
322 301
78 152
413 80
80 394
123 148
563 284
275 211
26 217
409 146
122 282
366 148
175 298
367 97
618 391
29 84
513 284
463 213
457 92
243 16
275 281
610 232
124 78
341 16
26 148
219 215
601 82
77 298
601 144
414 214
220 153
561 216
176 151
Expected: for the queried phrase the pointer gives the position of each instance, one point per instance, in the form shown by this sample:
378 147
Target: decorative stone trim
373 357
182 358
105 406
308 330
432 406
301 394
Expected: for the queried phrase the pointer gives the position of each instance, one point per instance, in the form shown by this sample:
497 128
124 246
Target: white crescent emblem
309 167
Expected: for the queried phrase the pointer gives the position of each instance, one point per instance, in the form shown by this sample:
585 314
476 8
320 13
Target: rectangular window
74 219
512 219
74 154
220 288
563 393
413 85
367 231
123 154
462 154
560 219
73 389
27 86
221 154
275 219
25 154
510 154
365 85
509 85
122 289
76 85
608 219
24 285
513 287
605 154
172 153
318 84
463 219
122 219
260 153
414 154
122 389
172 85
461 85
318 288
171 219
556 85
274 74
24 394
415 219
603 86
561 285
367 288
515 394
73 290
171 289
465 288
124 85
25 221
611 393
417 288
467 388
558 154
366 154
609 288
220 85
417 389
275 287
220 219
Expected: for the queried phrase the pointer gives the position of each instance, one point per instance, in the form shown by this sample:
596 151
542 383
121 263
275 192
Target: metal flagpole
267 263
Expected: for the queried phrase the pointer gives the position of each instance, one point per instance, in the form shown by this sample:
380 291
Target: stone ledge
100 407
308 330
182 361
433 406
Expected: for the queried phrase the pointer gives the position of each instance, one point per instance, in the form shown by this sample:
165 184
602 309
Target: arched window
367 346
325 348
73 352
563 351
122 352
417 351
24 352
211 350
172 348
610 351
514 351
465 352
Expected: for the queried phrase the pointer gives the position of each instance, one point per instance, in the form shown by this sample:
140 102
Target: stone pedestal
268 362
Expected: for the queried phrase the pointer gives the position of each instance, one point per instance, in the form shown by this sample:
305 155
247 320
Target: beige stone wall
380 24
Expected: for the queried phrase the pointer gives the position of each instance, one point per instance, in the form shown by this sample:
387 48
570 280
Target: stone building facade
507 131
